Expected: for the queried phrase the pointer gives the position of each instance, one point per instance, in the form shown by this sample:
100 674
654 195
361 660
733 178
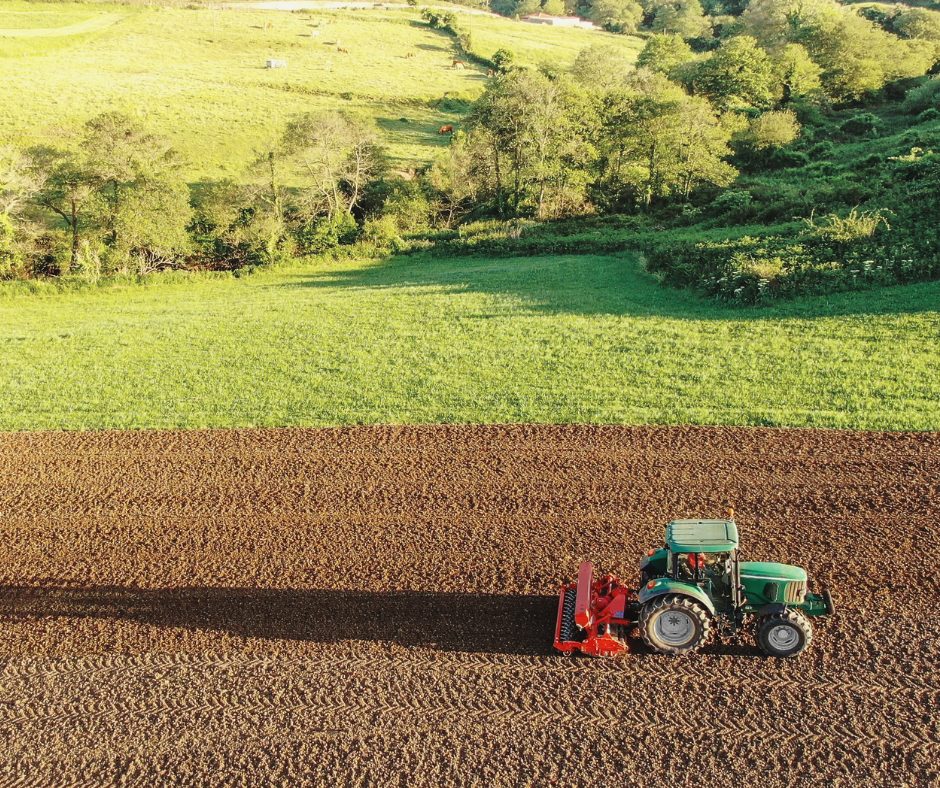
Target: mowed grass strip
559 339
198 75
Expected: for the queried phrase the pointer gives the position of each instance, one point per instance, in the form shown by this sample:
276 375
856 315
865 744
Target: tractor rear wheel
783 634
674 625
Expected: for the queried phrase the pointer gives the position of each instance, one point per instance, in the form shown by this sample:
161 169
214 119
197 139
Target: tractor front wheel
784 634
674 625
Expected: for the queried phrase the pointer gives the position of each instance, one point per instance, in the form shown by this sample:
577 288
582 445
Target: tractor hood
766 583
767 570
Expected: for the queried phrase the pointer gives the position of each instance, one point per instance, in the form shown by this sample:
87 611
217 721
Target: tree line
605 136
114 199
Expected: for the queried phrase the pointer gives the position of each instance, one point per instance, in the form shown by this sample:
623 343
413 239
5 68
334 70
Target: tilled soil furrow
375 606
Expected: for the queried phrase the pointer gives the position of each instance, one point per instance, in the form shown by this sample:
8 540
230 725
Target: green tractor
693 587
697 582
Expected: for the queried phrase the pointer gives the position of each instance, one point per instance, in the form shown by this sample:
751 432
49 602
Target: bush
928 115
9 254
773 130
503 59
927 96
783 158
733 206
323 233
860 124
822 150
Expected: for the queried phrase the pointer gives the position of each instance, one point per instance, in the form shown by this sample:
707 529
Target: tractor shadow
489 623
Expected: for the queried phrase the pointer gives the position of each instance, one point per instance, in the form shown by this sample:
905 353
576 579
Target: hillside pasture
534 45
559 339
198 75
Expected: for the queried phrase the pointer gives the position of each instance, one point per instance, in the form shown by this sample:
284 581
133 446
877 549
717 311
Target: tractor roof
701 536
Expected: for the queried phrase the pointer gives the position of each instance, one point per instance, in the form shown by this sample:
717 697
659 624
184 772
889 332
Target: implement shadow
486 623
595 284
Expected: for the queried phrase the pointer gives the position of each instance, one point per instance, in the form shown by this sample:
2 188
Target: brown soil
375 606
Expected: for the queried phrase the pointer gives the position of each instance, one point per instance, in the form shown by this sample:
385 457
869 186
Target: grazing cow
342 49
268 25
446 130
458 65
314 33
411 54
489 72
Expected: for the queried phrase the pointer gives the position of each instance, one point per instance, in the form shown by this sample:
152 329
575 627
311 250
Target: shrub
853 227
733 205
927 96
822 150
783 158
773 130
503 59
323 233
860 124
928 115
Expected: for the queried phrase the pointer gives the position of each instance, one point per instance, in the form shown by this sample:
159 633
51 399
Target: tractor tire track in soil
375 606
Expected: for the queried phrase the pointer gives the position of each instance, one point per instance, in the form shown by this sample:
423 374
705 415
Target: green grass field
198 75
551 339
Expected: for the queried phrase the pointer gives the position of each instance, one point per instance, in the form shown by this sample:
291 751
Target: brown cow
490 72
458 65
268 25
342 49
446 130
411 54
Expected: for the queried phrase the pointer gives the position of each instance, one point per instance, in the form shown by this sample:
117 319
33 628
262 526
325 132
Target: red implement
594 615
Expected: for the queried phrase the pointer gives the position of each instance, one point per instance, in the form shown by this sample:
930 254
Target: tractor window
717 564
683 566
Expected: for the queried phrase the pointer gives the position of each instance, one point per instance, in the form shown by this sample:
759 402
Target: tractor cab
703 553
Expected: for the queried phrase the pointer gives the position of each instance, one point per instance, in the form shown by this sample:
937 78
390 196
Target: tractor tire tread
766 623
656 606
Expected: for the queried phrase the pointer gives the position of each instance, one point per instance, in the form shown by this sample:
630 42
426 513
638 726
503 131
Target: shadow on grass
469 623
611 284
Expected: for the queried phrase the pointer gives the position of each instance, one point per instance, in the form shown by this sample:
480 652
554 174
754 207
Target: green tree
738 75
528 7
657 141
17 179
684 17
525 123
917 23
9 254
600 67
335 155
856 56
774 22
17 182
663 53
774 129
618 15
66 190
554 7
463 177
139 203
796 73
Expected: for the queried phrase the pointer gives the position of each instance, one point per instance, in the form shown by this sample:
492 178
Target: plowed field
375 606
